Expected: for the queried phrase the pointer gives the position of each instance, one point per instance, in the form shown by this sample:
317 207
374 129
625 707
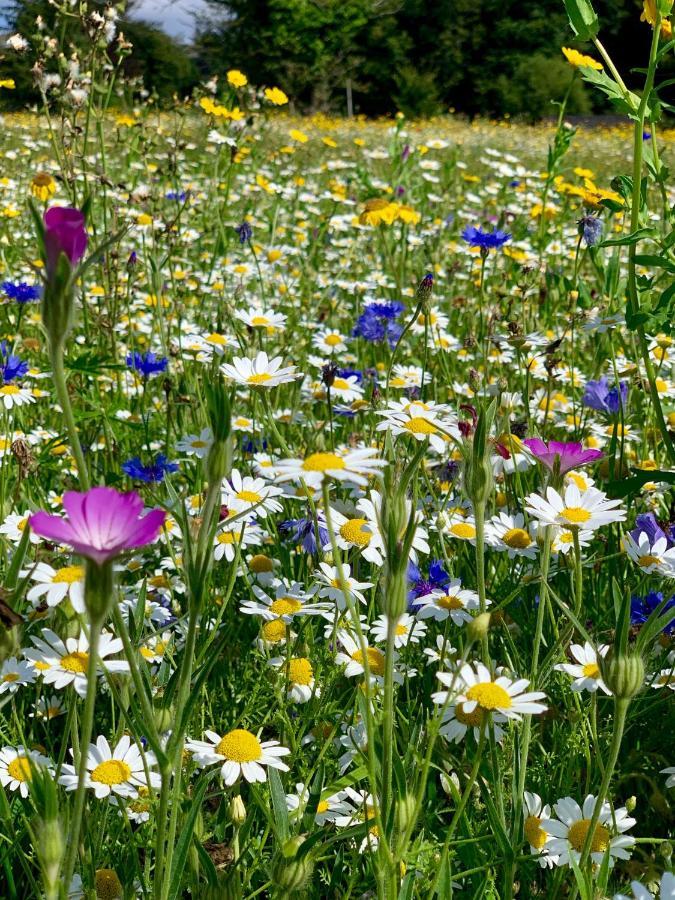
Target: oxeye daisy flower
408 630
290 600
241 493
563 539
48 708
196 444
330 584
299 673
638 892
237 534
480 690
101 523
443 655
121 771
652 557
328 808
62 663
353 533
507 533
54 585
11 396
329 341
569 831
422 421
664 679
346 388
535 812
457 719
241 753
262 372
352 657
257 318
460 526
589 510
14 526
15 674
453 600
356 466
585 671
15 767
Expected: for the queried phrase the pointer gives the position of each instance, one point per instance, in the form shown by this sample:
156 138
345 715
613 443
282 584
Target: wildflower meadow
337 524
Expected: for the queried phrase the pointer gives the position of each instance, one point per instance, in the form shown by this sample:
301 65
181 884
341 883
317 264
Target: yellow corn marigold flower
276 96
237 78
378 211
298 136
649 16
580 60
43 186
7 83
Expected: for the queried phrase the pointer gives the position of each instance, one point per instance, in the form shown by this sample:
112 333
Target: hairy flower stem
479 518
621 705
86 729
59 376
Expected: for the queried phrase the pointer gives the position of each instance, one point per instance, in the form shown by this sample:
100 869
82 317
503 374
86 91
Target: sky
176 17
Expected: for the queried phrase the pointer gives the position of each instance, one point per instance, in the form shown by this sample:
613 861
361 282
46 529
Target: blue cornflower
22 292
11 366
590 229
153 472
642 607
176 195
486 240
646 136
244 231
419 586
147 363
378 322
303 531
599 396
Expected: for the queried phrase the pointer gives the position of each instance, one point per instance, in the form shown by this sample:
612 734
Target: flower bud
165 718
405 812
64 233
478 627
237 811
624 674
631 804
290 871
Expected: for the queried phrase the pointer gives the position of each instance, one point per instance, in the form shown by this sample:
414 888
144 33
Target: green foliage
537 83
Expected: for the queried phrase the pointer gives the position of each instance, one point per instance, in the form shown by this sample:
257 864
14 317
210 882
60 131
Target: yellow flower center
418 425
575 515
10 677
240 746
75 662
450 602
648 560
354 533
112 771
517 538
68 575
534 834
249 496
226 537
10 389
322 806
401 630
341 384
489 696
285 606
322 462
375 659
108 885
199 444
577 836
42 179
273 631
300 671
260 378
260 321
19 768
21 525
333 339
473 719
463 530
260 563
591 670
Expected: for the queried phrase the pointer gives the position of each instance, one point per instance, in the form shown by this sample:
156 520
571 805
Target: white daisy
585 672
478 689
454 601
290 600
328 808
62 663
299 674
589 510
408 630
356 466
569 831
121 771
507 533
14 526
241 753
246 493
423 421
354 533
329 584
443 655
15 767
14 674
196 444
666 890
538 839
11 395
233 535
54 585
258 318
261 372
371 507
656 558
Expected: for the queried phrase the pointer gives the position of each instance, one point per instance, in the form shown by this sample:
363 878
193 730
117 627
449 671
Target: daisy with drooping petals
242 493
589 510
234 535
15 767
443 655
343 465
54 585
328 808
457 719
121 771
11 396
585 672
63 663
454 601
652 558
261 372
480 690
423 421
330 584
352 657
13 528
241 753
535 812
569 831
300 676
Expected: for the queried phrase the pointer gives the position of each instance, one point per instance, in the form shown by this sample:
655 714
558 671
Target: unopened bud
478 627
165 718
631 803
624 674
237 811
405 812
290 871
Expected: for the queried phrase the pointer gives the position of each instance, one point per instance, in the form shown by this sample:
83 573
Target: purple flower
419 586
486 240
303 531
22 292
101 523
377 323
244 231
642 607
647 524
65 232
590 229
11 366
599 396
560 455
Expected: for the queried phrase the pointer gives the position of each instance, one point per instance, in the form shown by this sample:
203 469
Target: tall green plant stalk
59 377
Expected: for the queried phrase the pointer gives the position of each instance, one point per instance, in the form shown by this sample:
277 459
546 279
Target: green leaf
582 18
655 262
17 560
184 841
627 239
279 807
624 487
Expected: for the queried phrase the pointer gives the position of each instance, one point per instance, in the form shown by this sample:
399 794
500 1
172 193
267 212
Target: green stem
85 739
59 376
578 572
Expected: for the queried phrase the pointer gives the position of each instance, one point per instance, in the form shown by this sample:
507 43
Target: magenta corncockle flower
568 455
65 232
101 523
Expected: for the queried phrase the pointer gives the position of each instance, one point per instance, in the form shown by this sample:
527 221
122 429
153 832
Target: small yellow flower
125 121
649 16
237 78
276 96
298 136
580 60
7 83
43 186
